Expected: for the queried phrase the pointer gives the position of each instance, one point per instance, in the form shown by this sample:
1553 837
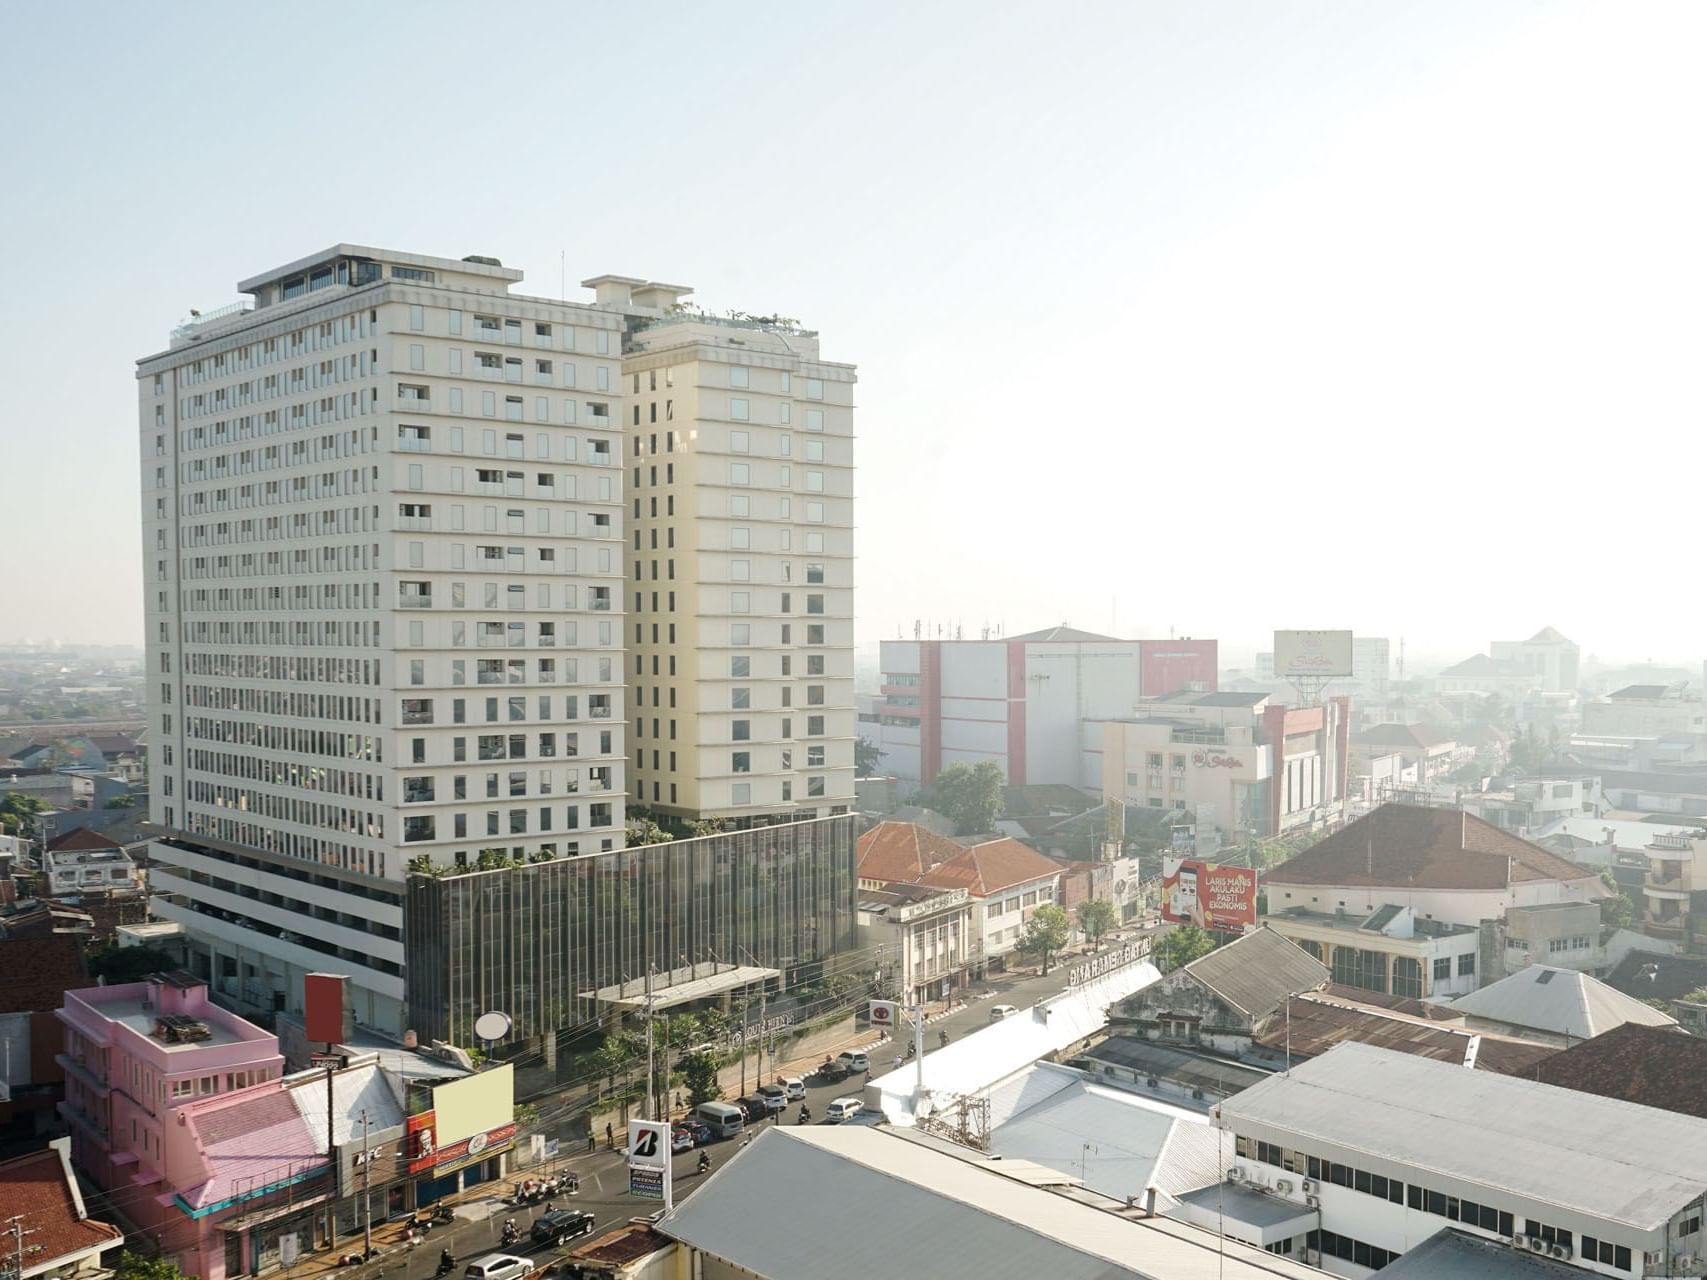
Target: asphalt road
604 1178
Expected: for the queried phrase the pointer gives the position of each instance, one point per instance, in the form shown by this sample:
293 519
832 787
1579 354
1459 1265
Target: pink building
136 1057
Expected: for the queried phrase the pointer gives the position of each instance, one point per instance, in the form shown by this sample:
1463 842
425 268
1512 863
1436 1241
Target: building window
1466 964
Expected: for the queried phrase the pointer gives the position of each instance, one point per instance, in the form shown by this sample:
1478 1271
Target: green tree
133 1266
645 831
703 827
699 1076
866 757
18 811
1617 911
1045 933
1182 945
1096 918
969 794
130 964
125 801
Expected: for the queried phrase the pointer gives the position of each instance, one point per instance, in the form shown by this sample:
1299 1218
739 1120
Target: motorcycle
447 1264
704 1165
942 1039
805 1115
442 1213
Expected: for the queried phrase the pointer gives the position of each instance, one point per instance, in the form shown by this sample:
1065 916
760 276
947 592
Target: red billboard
1168 666
1209 894
323 1007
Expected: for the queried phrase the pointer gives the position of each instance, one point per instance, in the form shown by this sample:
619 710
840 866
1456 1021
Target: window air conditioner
1537 1244
1283 1186
1560 1251
1309 1185
1313 1202
1518 1241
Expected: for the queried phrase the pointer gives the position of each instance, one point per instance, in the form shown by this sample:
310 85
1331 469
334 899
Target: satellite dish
492 1025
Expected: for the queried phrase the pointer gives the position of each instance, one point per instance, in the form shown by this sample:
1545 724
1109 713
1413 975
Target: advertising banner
1209 894
1312 653
648 1159
883 1014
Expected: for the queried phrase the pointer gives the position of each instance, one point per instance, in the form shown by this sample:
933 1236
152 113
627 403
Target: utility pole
762 1032
367 1195
651 1074
15 1225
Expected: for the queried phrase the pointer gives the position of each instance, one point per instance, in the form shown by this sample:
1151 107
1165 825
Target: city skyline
1390 290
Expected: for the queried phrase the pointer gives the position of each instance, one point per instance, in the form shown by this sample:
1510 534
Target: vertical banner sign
648 1159
883 1015
1209 895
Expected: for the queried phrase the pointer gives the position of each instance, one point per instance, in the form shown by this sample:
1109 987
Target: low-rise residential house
1678 983
896 852
1385 1149
83 860
1392 950
1442 864
56 1238
1426 753
1558 1004
1651 1066
1525 806
1218 1000
1674 888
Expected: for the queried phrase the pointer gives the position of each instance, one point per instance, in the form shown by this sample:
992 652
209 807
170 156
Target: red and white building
1018 701
1178 666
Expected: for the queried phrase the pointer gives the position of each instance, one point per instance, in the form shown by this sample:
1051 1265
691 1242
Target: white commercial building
1019 701
1385 1149
741 551
383 521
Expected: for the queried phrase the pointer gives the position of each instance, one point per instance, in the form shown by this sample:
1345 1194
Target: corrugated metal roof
1257 972
843 1203
1611 1160
1455 1255
1561 1001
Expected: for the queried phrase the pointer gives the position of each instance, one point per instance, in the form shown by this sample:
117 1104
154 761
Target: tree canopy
969 794
1181 945
1045 933
1096 918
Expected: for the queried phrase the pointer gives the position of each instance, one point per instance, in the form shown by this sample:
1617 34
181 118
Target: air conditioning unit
1537 1244
1560 1251
1312 1257
1653 1258
1236 1174
1685 1262
1519 1241
1309 1185
1313 1202
1283 1186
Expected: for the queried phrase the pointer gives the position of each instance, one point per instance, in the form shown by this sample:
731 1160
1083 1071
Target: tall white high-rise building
383 520
740 572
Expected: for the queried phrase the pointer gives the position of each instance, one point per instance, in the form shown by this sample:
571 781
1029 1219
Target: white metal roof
1611 1160
844 1203
993 1053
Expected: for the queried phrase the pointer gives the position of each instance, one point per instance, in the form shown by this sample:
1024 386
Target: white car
855 1060
1002 1011
498 1266
775 1096
842 1109
794 1086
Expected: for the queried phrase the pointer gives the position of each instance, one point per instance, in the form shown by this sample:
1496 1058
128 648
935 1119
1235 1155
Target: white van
1002 1011
842 1109
794 1086
723 1120
498 1266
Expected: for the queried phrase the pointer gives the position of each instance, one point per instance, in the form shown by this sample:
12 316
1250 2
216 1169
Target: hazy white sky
1212 316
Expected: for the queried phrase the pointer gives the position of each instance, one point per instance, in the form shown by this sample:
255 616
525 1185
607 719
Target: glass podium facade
536 941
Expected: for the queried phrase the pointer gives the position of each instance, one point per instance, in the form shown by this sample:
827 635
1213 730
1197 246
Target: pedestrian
592 1140
610 1136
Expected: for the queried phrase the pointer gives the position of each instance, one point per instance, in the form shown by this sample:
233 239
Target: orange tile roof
903 851
991 867
36 1188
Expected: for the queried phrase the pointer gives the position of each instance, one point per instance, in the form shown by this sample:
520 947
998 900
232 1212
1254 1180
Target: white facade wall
383 529
1000 918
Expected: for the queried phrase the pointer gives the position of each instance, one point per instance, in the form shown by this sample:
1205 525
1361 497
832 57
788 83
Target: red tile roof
83 838
39 971
1404 846
991 867
903 851
38 1188
1312 1023
1654 1066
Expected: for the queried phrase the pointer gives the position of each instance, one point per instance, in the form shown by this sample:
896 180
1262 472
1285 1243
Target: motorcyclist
805 1114
942 1039
704 1161
447 1263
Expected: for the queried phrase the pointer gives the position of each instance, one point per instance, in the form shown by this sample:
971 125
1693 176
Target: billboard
1209 894
883 1014
323 1007
475 1104
649 1159
1311 653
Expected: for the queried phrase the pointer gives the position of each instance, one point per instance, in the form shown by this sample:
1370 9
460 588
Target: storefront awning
682 986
